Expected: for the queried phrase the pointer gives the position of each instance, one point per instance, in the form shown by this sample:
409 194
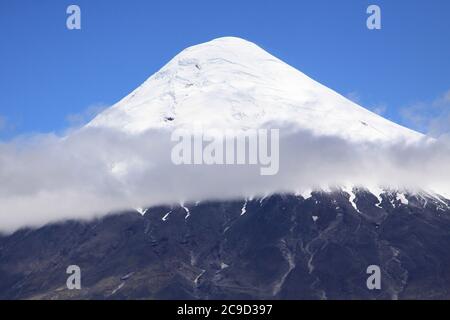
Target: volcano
232 83
313 244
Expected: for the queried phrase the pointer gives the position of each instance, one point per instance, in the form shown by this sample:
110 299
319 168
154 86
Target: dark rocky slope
282 247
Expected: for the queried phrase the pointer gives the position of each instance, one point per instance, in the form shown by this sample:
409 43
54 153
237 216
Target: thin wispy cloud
354 96
432 117
81 118
379 108
2 123
6 126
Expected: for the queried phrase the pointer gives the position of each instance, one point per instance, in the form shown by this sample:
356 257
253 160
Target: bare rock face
278 247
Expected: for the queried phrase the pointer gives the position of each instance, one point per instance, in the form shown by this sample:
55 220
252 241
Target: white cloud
83 117
379 108
432 117
354 96
2 123
95 171
6 126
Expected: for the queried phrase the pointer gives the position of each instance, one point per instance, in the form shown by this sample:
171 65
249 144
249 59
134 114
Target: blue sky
50 76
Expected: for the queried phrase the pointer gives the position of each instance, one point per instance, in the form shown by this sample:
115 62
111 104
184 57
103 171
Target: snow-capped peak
231 83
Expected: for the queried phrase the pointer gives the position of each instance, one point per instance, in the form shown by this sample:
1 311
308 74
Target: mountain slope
279 247
232 83
313 245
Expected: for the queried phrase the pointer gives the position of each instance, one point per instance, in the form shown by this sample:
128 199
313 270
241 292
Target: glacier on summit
232 83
